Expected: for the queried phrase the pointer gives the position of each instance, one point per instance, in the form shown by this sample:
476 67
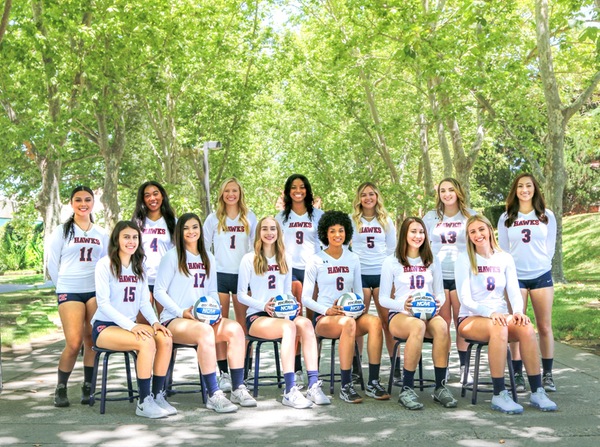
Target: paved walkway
28 418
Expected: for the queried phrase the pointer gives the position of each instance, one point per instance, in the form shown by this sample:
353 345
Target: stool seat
170 385
132 392
257 379
479 386
331 376
423 383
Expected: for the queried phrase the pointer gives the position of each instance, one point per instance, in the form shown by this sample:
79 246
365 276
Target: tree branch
568 112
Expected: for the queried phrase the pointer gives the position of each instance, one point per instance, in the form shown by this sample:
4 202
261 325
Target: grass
27 315
581 248
20 278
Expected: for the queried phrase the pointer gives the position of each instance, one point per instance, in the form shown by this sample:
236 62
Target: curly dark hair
331 218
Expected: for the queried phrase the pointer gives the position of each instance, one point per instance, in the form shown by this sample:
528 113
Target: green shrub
493 213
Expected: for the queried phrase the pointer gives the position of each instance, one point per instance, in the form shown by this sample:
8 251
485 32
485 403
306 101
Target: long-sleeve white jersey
530 242
71 263
333 278
448 238
483 294
408 280
176 291
372 244
229 246
156 241
300 236
263 287
120 299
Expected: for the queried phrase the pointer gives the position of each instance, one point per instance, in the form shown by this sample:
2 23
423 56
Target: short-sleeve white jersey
263 287
483 293
300 236
229 246
156 241
530 242
372 243
447 237
333 278
407 280
120 299
72 262
176 291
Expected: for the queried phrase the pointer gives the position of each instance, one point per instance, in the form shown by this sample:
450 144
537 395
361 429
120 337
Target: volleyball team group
135 289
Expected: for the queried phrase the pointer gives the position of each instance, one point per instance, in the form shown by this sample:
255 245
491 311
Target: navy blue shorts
391 315
370 281
252 318
538 283
227 282
99 326
460 320
450 284
151 288
298 275
78 297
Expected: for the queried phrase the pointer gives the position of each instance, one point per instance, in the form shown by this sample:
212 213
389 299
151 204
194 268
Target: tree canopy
113 93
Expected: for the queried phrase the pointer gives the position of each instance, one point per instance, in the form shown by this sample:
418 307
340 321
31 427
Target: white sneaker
162 403
504 403
149 409
242 396
540 400
299 379
224 382
462 374
316 394
295 399
220 403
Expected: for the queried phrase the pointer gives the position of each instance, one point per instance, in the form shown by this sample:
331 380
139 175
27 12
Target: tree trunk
424 145
4 20
112 152
48 199
439 125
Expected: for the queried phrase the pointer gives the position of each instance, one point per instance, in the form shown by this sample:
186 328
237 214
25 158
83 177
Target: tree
558 115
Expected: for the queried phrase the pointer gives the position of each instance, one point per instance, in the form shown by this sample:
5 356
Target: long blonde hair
380 212
460 198
221 207
471 246
261 265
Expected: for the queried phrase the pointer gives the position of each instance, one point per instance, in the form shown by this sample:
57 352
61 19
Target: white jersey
229 246
483 294
333 278
372 244
263 287
407 280
448 238
71 263
176 291
120 299
156 241
300 236
530 242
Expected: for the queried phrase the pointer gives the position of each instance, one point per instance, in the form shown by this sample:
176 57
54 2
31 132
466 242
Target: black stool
423 383
266 380
331 377
132 392
476 386
170 385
